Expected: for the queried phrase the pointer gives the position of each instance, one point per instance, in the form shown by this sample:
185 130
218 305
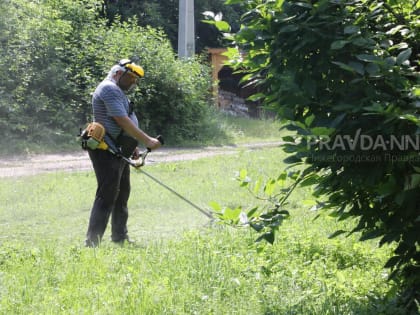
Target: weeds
179 266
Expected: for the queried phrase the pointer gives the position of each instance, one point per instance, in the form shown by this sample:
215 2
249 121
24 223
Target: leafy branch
265 219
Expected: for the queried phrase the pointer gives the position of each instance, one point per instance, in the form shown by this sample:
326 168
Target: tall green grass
180 264
241 130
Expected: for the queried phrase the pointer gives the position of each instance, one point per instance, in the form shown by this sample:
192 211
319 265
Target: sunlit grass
180 264
245 130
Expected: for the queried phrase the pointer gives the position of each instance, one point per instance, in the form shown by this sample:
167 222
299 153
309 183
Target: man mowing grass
113 111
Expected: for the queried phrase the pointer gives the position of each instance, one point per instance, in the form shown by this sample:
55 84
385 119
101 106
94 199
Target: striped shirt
108 101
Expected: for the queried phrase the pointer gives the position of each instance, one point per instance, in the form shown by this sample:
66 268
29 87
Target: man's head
126 73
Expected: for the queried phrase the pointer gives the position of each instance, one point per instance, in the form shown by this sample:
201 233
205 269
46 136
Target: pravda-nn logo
364 142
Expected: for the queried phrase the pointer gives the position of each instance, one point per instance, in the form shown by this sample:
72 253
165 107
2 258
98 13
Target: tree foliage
54 53
344 75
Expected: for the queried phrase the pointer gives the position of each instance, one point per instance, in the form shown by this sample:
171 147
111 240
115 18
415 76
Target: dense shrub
345 77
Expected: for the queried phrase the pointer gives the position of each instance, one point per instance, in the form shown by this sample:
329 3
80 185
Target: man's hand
136 154
153 143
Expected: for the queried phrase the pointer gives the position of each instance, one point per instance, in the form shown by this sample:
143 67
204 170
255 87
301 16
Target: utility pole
186 29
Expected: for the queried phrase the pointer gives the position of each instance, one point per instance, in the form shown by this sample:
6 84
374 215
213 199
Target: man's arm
130 128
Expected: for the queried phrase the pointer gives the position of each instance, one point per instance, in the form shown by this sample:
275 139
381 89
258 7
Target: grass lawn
180 263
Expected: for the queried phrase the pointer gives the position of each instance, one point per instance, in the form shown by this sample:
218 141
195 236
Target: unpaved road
37 164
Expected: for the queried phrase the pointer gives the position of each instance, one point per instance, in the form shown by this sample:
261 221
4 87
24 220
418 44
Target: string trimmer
92 137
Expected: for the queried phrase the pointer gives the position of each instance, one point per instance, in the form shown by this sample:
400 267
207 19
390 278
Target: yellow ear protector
131 66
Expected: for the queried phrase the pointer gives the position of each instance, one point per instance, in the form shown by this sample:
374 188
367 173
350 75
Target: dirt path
37 164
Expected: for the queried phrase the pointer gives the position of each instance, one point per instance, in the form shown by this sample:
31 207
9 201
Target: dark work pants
113 191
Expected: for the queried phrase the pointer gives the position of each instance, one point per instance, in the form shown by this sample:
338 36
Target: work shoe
91 244
121 241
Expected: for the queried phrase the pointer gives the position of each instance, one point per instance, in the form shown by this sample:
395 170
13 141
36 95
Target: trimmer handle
160 138
142 158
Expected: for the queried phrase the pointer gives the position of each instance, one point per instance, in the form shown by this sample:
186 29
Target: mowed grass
180 264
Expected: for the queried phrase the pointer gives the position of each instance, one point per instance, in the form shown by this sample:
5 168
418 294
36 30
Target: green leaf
336 233
257 226
338 44
392 262
373 69
245 183
257 186
256 97
284 213
358 67
321 131
343 66
231 214
269 187
309 120
283 176
288 139
390 61
375 107
368 58
310 180
215 206
362 42
292 159
399 46
370 235
403 56
242 174
251 213
288 28
416 92
246 34
351 29
269 237
411 118
222 26
232 53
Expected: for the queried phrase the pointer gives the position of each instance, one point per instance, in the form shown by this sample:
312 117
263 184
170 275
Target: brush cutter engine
92 137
